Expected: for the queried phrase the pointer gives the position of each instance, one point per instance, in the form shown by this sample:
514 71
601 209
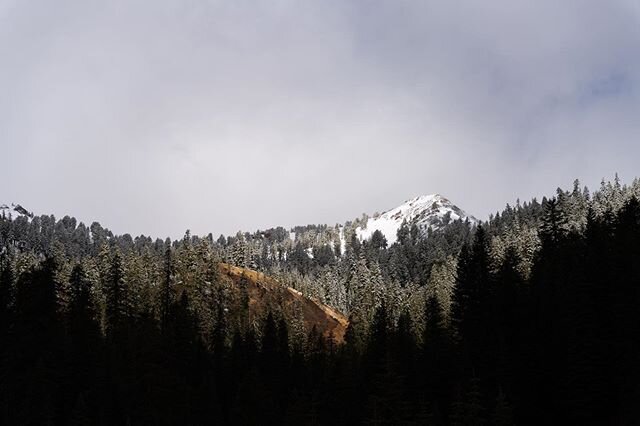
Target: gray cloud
155 117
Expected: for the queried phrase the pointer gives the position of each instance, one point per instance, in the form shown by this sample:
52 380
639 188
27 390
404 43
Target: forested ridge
530 317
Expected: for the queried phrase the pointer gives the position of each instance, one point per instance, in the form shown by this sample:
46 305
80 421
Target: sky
153 117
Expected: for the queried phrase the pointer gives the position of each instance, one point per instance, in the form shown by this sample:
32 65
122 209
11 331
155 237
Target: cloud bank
155 117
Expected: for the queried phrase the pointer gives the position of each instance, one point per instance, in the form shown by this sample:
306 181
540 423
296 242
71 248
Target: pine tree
469 410
379 334
435 361
83 316
502 415
116 299
508 283
554 223
6 322
166 291
6 297
239 250
472 291
36 345
434 322
85 343
441 285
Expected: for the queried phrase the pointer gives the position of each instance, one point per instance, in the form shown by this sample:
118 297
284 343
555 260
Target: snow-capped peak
15 209
426 211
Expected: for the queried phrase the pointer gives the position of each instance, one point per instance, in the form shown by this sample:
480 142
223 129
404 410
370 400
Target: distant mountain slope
14 210
264 291
426 211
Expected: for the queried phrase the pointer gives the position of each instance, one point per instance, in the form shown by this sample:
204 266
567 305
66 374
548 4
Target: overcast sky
153 116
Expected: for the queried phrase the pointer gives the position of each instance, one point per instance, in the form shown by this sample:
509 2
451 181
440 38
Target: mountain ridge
425 211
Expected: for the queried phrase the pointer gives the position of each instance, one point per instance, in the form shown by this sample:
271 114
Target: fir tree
6 297
166 292
116 300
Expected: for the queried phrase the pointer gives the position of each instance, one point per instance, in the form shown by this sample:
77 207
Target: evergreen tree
6 297
85 345
472 291
502 415
469 410
6 321
554 223
82 313
116 292
36 350
166 292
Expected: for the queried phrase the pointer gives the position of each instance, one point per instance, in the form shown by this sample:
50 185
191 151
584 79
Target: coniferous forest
530 318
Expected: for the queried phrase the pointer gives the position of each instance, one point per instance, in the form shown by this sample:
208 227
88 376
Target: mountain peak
425 211
15 208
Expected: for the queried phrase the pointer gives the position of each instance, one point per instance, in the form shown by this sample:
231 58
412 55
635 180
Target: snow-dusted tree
334 291
239 250
117 298
441 284
297 331
578 206
523 238
609 199
167 295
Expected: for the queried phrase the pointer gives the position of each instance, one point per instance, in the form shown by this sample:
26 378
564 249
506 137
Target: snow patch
15 210
309 252
343 242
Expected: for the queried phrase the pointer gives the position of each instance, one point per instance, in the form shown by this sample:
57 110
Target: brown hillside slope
264 291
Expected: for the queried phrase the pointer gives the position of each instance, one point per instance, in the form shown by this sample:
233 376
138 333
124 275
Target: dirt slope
264 291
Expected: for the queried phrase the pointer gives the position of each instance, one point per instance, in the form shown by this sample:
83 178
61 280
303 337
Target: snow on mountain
426 211
14 210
